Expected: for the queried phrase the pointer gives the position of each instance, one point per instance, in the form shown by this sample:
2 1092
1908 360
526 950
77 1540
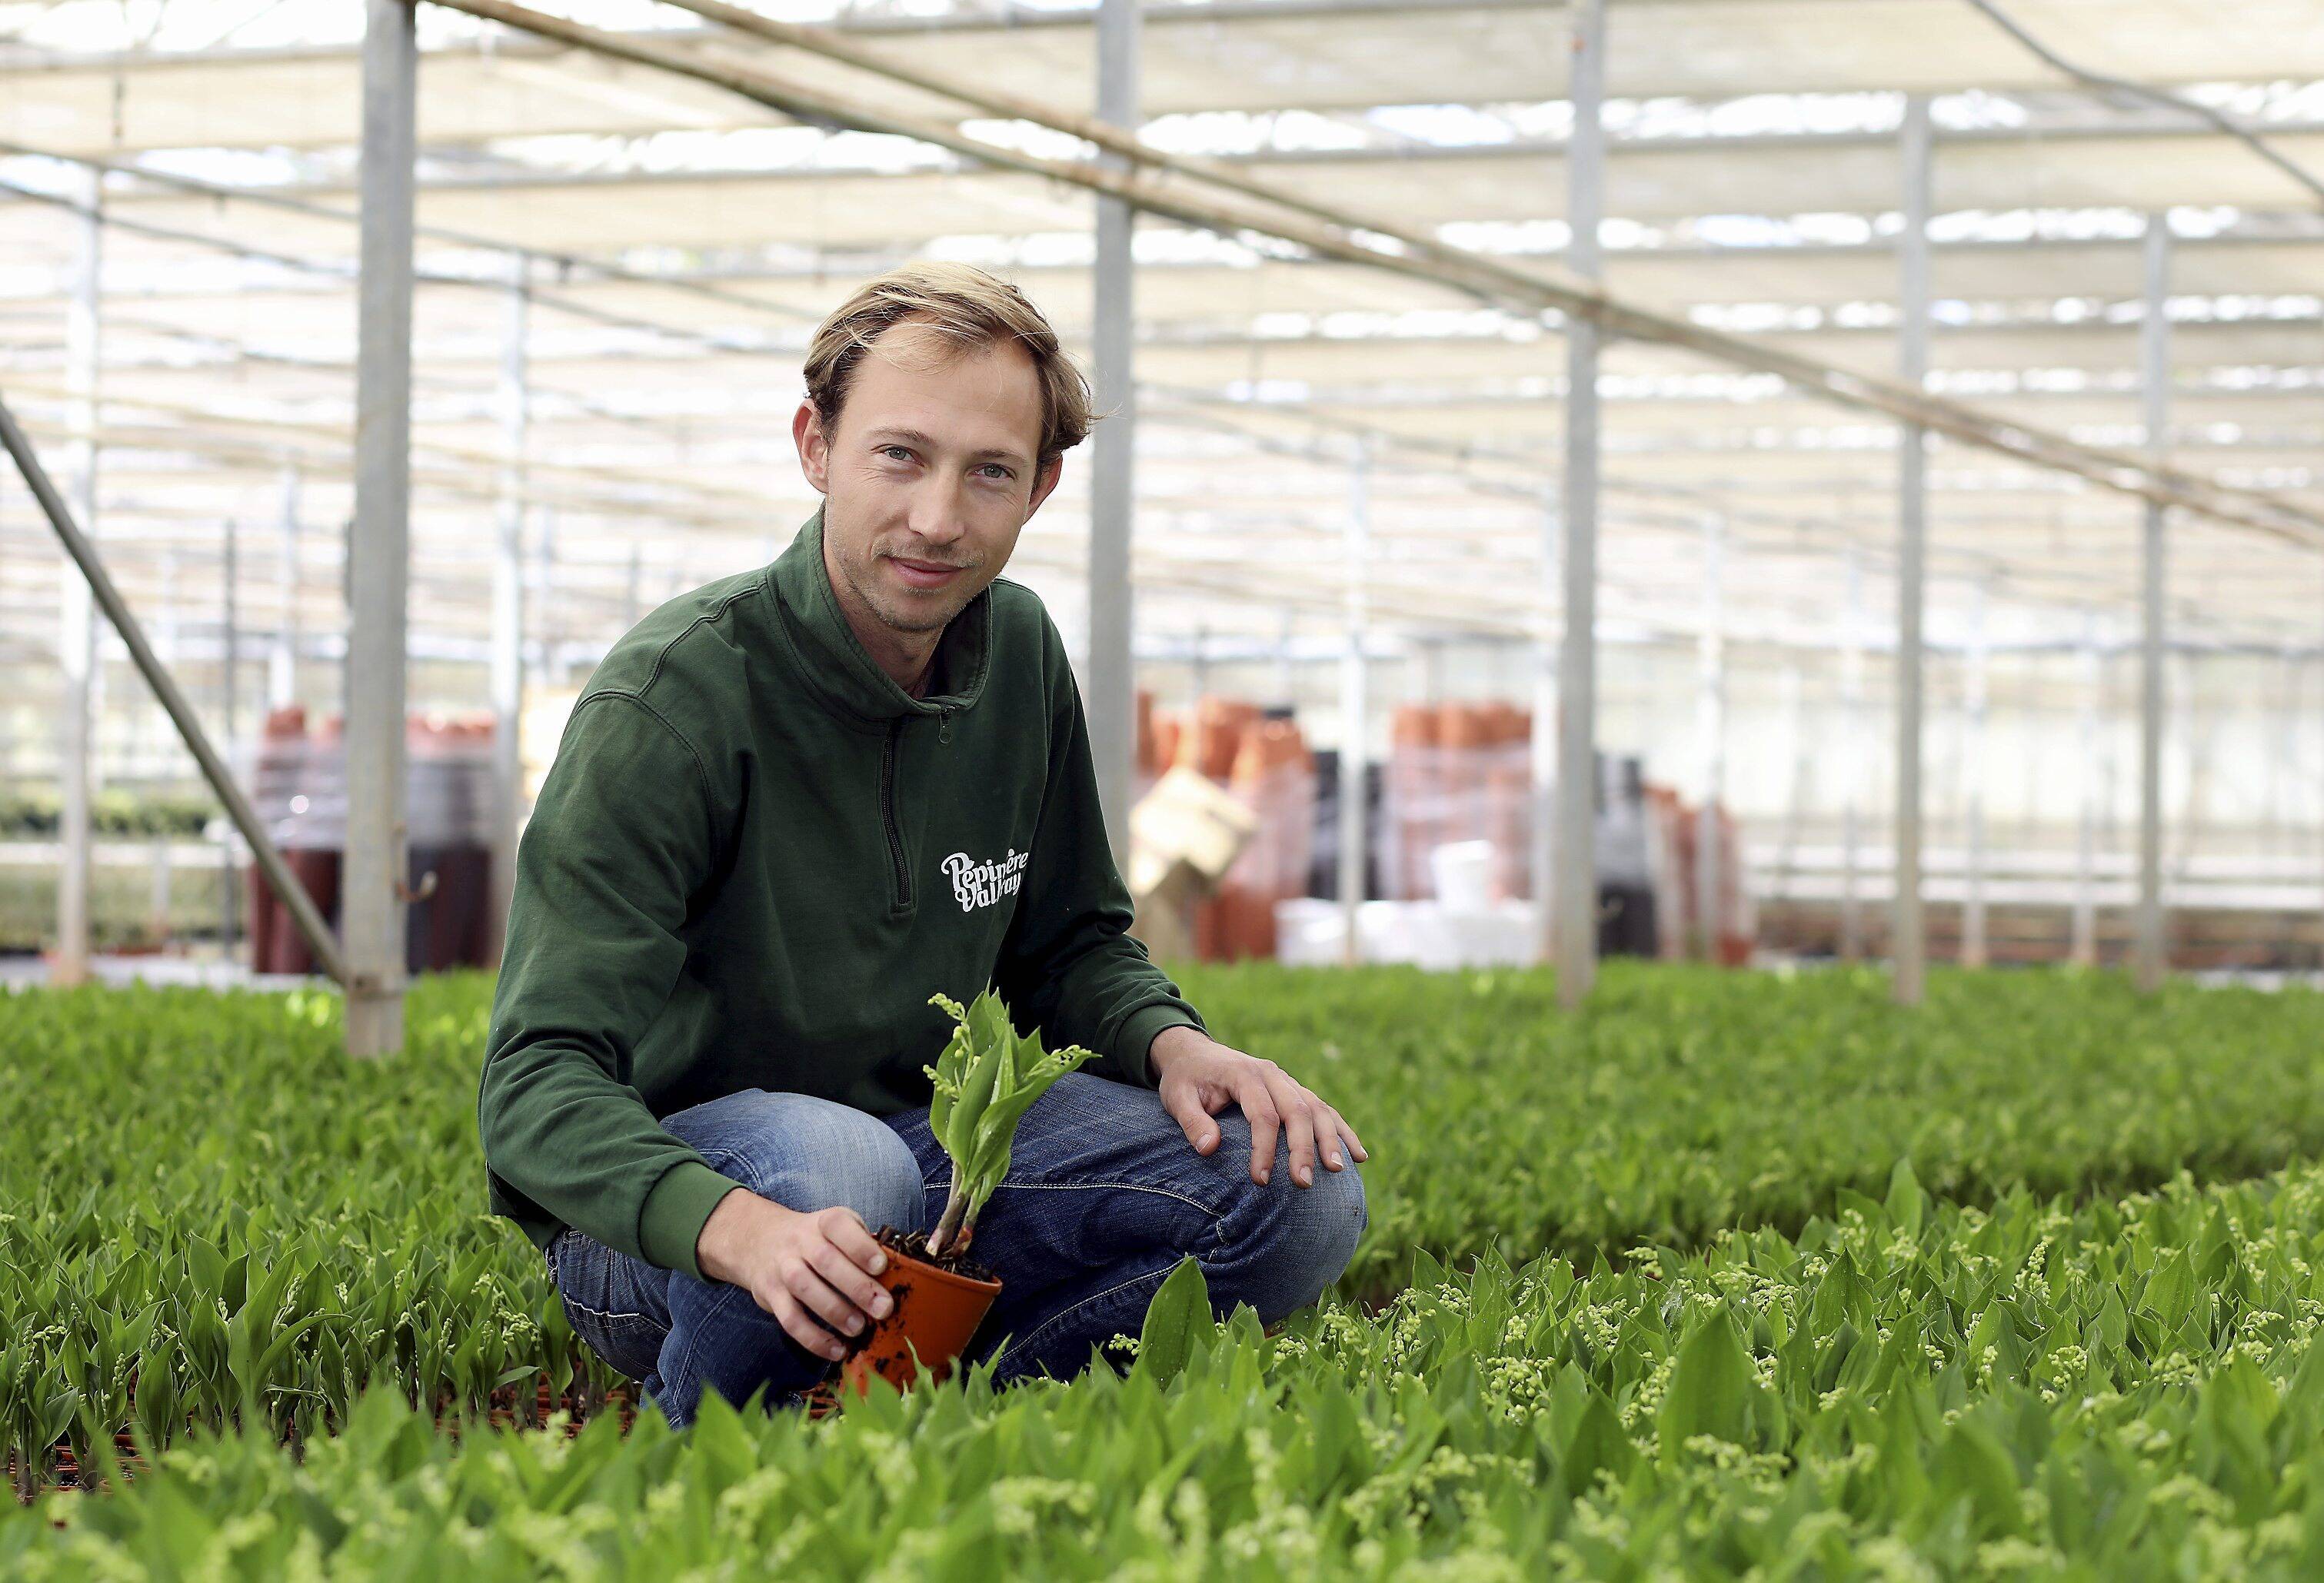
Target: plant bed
67 1474
579 1406
1794 1091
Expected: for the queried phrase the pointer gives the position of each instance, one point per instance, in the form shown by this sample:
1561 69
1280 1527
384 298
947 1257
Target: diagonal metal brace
303 911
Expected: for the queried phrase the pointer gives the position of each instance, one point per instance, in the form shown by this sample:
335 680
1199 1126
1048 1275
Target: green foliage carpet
1734 1274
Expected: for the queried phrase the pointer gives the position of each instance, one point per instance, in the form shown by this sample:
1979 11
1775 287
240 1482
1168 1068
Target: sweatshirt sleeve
622 837
1067 966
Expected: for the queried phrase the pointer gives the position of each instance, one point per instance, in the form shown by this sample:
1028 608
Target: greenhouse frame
1630 884
1991 226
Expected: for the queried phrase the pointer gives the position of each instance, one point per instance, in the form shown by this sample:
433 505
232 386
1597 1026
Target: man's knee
1308 1234
808 1154
1323 1225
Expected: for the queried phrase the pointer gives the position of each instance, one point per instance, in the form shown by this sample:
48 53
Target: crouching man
789 807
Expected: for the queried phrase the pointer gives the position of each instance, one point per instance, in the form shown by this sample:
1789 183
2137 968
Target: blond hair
968 307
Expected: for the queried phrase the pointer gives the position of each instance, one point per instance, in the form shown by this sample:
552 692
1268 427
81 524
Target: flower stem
956 1209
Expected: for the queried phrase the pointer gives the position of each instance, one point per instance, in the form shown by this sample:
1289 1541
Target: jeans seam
1059 1318
610 1316
732 1164
634 1317
693 1341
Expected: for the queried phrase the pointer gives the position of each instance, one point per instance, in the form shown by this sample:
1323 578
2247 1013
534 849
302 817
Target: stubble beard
895 615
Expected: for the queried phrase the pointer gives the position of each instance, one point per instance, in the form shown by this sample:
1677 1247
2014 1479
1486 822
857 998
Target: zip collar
836 666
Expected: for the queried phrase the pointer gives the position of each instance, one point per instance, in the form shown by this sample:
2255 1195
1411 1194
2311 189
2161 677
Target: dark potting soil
915 1245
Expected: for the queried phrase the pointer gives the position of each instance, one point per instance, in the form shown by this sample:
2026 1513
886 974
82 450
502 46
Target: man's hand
797 1264
1199 1077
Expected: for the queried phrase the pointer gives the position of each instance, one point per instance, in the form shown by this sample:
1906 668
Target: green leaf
208 1265
1598 1443
1906 1204
985 1078
1972 1466
1177 1318
2170 1290
1710 1389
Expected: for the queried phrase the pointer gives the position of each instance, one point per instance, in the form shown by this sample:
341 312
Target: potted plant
986 1078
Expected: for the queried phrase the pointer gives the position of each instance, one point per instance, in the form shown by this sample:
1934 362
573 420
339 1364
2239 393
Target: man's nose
939 516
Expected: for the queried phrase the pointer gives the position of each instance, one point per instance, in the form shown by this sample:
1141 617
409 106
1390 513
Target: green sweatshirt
754 860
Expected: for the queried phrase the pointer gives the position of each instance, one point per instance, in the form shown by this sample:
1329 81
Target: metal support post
10 742
374 888
2196 729
508 605
1909 944
1541 822
230 910
1577 754
1796 793
542 643
2283 744
1974 951
2155 378
1711 734
1852 776
77 626
1111 693
282 661
2085 948
1355 710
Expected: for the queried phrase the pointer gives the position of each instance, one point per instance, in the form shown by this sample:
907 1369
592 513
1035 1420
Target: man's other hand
798 1266
1199 1077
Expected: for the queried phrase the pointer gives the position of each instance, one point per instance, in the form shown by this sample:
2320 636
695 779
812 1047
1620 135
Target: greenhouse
1162 789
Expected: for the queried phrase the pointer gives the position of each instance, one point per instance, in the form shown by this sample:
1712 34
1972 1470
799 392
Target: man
788 808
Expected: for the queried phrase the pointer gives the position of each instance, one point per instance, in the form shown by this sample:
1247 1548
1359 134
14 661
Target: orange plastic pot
935 1314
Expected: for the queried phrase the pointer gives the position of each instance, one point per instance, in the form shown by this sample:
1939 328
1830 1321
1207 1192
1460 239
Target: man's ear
1045 481
814 447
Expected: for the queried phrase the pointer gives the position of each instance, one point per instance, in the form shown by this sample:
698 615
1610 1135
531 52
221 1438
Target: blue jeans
1103 1196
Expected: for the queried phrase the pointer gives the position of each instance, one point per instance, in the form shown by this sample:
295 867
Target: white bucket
1464 875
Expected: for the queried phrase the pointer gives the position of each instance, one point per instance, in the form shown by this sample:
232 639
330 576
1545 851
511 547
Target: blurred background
1907 313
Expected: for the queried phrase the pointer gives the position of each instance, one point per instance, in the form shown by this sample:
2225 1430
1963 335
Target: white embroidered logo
976 885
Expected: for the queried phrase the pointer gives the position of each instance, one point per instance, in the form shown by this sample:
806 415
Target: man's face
929 475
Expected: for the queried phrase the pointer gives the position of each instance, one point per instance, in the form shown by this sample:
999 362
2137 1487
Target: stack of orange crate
1412 782
1275 774
1458 772
1267 764
1679 924
1506 764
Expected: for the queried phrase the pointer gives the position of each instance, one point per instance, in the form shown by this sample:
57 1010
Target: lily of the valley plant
987 1077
